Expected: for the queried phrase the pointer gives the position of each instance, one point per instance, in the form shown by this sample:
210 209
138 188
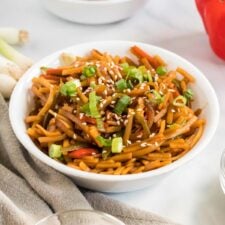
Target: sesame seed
128 142
152 135
173 110
114 135
81 115
74 136
84 123
111 72
143 144
139 136
156 144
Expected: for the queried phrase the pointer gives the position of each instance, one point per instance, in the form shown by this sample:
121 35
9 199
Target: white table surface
191 195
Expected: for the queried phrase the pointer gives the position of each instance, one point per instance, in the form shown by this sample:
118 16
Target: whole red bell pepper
213 16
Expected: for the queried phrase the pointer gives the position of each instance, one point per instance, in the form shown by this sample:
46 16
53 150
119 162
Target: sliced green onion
122 104
135 73
121 85
158 99
93 105
125 67
105 142
188 94
85 109
180 101
161 70
70 88
145 73
117 145
129 84
55 151
89 71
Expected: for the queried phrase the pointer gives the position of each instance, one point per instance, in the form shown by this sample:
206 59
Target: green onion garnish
129 84
122 104
125 67
55 151
70 88
188 94
121 85
145 73
89 71
135 73
161 70
93 105
105 142
158 99
180 101
117 145
85 109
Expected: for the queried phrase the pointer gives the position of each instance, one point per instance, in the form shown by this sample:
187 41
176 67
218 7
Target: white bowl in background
205 98
94 11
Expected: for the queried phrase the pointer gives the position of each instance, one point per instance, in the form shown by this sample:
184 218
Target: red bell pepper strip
213 16
80 153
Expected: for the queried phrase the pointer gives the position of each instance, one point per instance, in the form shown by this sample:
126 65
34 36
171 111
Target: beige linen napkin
30 190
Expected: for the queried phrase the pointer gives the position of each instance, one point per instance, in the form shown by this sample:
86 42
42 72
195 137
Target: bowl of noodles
115 116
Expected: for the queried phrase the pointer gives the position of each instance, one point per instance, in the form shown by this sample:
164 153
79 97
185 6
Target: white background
191 195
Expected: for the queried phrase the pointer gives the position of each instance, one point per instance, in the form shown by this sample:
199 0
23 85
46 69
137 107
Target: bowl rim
34 150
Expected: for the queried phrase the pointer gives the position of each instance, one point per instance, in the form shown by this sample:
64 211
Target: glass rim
114 219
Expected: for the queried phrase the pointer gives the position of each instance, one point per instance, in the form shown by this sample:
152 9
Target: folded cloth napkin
30 190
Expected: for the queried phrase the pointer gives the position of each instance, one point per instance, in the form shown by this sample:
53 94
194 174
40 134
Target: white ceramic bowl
204 94
94 11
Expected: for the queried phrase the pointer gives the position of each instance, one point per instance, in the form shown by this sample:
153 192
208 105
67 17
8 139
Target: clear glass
80 217
222 171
